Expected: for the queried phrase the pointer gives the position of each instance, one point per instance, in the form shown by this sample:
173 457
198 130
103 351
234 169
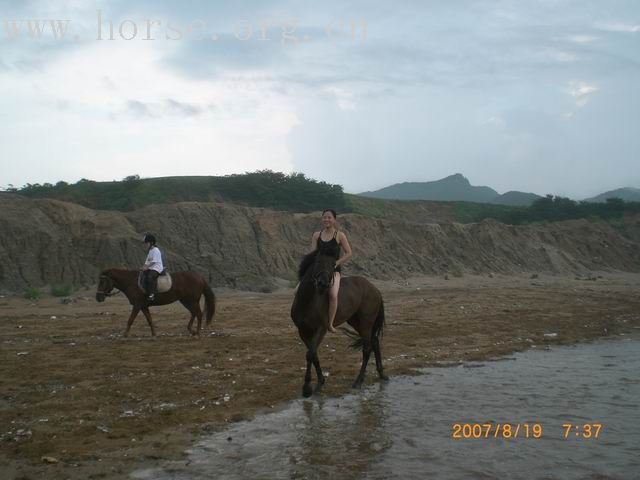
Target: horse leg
306 388
312 357
375 343
134 313
147 315
366 352
320 375
189 307
198 312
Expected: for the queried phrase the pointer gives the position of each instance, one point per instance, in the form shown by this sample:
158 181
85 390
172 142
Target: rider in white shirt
152 267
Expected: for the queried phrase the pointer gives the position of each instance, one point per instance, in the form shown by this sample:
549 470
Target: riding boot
152 284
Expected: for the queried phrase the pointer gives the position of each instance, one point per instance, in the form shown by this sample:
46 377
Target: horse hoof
356 385
384 378
307 391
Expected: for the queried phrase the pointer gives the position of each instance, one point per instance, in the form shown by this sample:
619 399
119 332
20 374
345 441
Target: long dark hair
333 212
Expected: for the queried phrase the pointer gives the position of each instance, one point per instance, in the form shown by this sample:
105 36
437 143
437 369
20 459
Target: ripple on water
402 429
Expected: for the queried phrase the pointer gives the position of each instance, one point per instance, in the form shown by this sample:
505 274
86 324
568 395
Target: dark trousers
150 281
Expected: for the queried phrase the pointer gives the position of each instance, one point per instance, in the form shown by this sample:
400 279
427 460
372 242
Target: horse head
105 286
322 272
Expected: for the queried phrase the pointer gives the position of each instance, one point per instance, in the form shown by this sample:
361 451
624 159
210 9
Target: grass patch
32 293
63 290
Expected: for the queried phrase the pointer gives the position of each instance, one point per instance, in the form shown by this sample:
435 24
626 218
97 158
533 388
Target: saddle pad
164 282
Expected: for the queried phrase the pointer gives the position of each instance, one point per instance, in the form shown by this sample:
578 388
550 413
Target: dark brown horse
187 288
359 304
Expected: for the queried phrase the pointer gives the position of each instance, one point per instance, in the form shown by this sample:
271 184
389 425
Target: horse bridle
106 294
316 279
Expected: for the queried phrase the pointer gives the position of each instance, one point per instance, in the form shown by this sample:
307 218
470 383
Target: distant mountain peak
456 178
454 187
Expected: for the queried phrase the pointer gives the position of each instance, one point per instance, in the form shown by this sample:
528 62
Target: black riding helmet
148 238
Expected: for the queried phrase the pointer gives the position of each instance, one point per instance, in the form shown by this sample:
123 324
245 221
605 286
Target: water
403 429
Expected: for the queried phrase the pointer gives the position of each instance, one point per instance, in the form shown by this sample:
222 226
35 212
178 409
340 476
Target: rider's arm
344 243
152 259
147 262
314 240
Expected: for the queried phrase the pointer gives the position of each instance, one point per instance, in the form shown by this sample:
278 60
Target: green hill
627 194
297 193
279 191
515 198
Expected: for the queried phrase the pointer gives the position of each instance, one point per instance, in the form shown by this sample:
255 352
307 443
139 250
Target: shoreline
119 405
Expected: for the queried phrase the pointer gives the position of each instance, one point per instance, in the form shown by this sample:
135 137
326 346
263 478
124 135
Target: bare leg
333 301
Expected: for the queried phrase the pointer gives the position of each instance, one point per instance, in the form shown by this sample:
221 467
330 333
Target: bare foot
332 329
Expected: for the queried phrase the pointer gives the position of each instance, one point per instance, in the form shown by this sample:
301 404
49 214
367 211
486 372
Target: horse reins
315 280
108 294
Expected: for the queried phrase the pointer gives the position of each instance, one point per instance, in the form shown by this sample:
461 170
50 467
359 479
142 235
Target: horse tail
209 303
378 326
376 331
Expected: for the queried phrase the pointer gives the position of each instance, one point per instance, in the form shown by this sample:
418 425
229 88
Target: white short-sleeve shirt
154 260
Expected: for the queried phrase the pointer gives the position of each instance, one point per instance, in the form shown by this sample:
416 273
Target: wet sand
77 400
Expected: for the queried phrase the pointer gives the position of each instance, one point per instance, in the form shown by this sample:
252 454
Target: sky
540 96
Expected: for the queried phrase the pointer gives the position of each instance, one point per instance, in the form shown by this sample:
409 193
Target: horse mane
306 262
118 272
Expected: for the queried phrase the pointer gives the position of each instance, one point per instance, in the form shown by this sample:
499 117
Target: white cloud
115 105
581 91
343 97
620 27
582 39
474 86
563 56
495 121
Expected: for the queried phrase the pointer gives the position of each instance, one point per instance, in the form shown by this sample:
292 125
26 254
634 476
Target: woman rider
152 267
329 240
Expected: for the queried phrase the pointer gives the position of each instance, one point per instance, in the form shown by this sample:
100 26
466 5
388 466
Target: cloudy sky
538 96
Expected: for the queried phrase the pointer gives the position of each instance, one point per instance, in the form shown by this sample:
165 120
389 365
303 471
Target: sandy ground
77 400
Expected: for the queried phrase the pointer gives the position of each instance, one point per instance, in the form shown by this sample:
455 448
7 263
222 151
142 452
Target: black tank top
331 247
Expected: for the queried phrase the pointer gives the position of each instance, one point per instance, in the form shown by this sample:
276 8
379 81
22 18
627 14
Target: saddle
164 282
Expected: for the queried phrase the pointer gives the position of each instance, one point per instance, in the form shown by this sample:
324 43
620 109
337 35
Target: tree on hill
263 188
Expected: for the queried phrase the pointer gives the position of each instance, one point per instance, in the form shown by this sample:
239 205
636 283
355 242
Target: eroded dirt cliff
48 242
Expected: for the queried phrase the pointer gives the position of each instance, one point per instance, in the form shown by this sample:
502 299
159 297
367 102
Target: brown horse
187 288
359 304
